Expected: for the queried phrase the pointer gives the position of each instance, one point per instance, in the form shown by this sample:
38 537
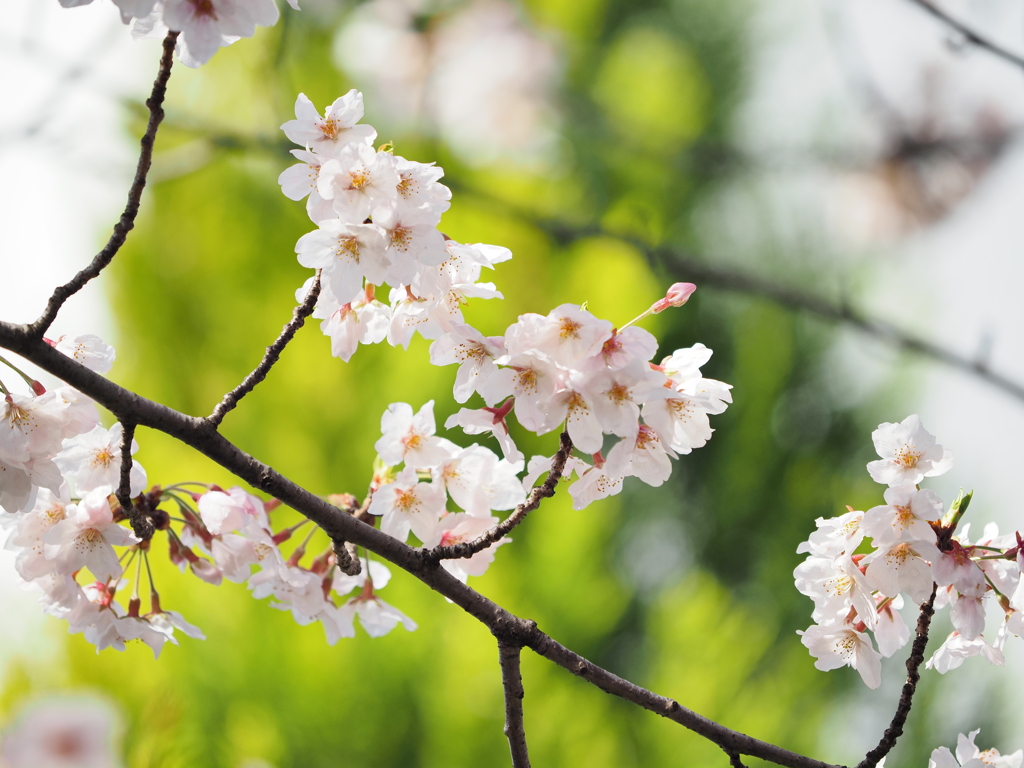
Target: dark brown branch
273 354
543 491
734 759
512 681
895 729
141 524
345 558
127 221
735 281
199 434
969 34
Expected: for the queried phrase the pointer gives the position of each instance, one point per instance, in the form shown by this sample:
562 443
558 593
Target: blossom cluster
205 26
915 549
378 216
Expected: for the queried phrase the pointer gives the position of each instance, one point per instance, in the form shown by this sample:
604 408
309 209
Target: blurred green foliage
686 588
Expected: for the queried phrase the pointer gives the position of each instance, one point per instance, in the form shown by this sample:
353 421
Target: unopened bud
678 294
38 388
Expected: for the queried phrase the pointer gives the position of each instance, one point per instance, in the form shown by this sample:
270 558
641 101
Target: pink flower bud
678 294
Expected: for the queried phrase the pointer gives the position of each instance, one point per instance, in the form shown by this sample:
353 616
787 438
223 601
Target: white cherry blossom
347 253
377 617
86 538
483 420
92 462
419 190
407 504
836 585
410 438
956 649
329 134
69 732
904 517
457 528
642 455
902 567
835 535
891 632
359 182
909 453
836 647
475 355
91 351
299 181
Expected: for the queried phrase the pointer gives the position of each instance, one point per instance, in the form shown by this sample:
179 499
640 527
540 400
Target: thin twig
895 729
735 759
847 315
512 681
141 524
127 221
273 354
196 433
543 491
969 34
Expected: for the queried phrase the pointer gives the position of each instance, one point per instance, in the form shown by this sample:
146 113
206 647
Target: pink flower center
204 8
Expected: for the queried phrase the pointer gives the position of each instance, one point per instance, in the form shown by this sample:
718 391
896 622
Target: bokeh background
853 150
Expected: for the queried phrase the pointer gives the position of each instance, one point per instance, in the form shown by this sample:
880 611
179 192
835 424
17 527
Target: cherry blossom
86 538
407 504
903 567
346 253
70 732
478 422
904 517
952 653
458 528
909 453
300 180
836 647
359 181
836 586
91 351
228 512
642 455
969 756
410 438
328 135
92 462
835 535
475 354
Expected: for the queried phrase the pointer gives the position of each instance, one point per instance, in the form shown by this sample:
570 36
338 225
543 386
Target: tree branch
895 729
127 221
199 434
969 34
273 354
512 681
141 524
544 491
